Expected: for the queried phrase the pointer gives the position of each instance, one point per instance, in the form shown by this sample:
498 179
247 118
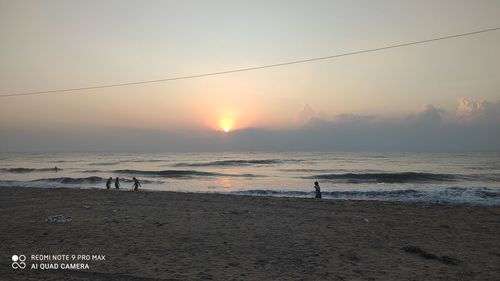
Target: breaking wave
234 163
405 177
335 194
145 160
28 170
68 180
86 180
181 173
104 163
452 195
93 171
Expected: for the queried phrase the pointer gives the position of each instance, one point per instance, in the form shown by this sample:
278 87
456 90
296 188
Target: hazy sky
49 45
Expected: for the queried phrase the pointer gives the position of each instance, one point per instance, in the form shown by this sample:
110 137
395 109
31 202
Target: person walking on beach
136 183
56 169
117 183
317 189
108 183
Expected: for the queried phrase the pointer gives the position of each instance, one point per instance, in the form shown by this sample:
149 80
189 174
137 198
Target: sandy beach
188 236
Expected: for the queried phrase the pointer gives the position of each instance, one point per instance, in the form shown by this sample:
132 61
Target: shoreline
284 195
167 235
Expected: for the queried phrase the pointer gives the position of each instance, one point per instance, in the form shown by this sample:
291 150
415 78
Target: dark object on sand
444 259
117 183
136 183
56 169
317 189
58 219
108 183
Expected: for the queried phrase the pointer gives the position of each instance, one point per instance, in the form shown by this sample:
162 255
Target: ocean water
453 178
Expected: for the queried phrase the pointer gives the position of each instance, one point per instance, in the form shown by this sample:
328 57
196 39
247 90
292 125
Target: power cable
253 68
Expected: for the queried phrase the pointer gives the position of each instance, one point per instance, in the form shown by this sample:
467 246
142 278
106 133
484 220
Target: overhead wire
67 90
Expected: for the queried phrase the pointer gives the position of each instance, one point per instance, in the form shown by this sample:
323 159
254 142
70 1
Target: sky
438 96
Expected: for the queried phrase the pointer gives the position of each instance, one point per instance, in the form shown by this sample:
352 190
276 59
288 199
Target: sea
444 178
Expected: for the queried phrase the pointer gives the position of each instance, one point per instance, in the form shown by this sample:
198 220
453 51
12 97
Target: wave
335 194
267 192
85 180
112 163
28 170
485 177
482 192
452 195
93 171
404 177
145 161
301 170
235 163
181 173
68 180
304 170
487 194
104 163
168 173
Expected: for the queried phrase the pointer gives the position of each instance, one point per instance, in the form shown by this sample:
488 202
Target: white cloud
429 129
430 114
306 114
468 108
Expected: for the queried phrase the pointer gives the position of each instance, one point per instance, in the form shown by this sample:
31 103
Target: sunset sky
50 45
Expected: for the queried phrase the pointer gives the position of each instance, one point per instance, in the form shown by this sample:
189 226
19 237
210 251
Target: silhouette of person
136 183
117 183
108 183
317 189
56 169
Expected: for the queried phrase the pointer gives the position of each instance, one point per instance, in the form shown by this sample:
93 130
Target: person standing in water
137 184
108 183
117 183
317 189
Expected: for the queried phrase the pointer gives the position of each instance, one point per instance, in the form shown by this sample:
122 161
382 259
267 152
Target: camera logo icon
18 261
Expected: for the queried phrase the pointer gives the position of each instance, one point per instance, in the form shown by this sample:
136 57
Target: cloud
353 118
429 114
489 113
428 129
479 113
468 109
306 115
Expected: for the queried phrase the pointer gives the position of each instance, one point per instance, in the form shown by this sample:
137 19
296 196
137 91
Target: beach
161 235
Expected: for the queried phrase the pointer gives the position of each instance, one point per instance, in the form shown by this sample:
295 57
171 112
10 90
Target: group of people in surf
135 186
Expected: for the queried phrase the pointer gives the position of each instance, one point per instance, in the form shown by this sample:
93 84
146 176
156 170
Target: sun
226 125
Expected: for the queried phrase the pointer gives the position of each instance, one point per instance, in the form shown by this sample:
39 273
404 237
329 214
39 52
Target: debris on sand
58 219
417 250
350 256
113 220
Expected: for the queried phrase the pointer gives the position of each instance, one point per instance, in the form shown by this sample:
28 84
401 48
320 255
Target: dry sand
186 236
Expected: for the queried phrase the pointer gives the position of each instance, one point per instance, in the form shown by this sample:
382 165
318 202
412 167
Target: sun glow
226 124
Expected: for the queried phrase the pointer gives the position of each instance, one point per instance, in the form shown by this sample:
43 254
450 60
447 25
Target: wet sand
184 236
